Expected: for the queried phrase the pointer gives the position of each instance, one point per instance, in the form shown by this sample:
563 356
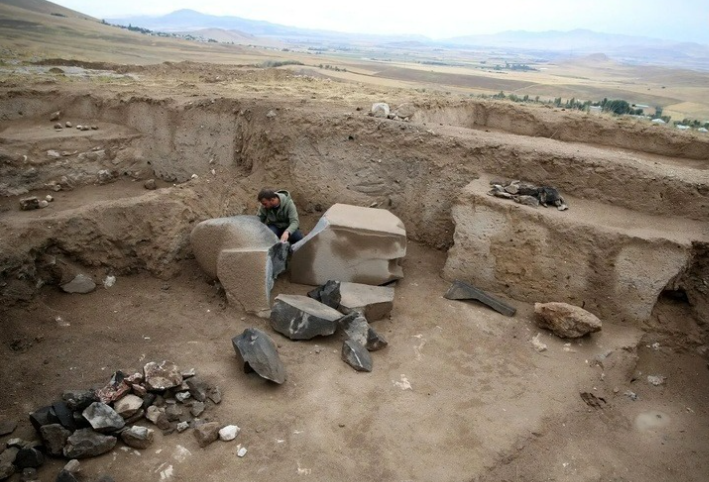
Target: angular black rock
198 388
302 318
356 356
64 414
41 417
460 290
66 476
327 294
257 353
31 458
355 327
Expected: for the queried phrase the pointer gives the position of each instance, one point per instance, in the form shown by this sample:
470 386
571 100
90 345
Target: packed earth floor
461 393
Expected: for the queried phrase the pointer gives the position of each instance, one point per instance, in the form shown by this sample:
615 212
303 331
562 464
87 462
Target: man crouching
278 212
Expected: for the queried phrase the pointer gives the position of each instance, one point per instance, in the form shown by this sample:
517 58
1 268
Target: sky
684 20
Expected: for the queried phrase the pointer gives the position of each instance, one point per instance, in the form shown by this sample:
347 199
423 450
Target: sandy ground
460 393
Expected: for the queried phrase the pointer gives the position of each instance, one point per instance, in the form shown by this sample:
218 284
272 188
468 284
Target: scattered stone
67 124
197 409
150 184
29 203
257 352
356 356
302 318
182 397
80 284
58 126
158 417
380 109
229 433
538 344
137 437
54 437
6 428
128 406
40 417
327 294
43 204
242 451
375 341
215 395
198 389
406 111
162 376
137 416
631 395
565 320
49 198
355 327
104 176
182 426
109 281
73 466
64 415
79 399
66 476
87 443
29 475
29 457
188 373
271 114
206 433
656 380
173 412
6 463
79 127
54 116
94 127
103 418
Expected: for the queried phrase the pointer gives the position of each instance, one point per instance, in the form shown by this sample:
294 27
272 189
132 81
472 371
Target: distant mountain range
551 44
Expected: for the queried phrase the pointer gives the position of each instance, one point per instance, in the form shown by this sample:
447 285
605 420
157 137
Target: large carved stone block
351 243
244 255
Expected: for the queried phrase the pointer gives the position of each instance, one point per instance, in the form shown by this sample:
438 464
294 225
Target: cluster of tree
440 62
693 123
332 67
280 63
517 67
147 31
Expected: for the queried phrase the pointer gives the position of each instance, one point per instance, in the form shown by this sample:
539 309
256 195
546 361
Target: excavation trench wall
323 157
569 126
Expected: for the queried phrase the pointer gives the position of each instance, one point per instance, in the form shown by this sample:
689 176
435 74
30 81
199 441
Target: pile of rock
335 305
88 423
528 194
33 202
55 116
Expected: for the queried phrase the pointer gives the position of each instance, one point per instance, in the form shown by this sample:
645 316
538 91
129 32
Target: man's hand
285 236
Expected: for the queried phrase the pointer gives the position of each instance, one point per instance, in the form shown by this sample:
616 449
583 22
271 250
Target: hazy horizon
687 20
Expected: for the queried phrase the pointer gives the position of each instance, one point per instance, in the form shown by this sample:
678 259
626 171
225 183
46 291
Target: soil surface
460 393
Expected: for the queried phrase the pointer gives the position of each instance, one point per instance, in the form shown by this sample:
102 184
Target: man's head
269 199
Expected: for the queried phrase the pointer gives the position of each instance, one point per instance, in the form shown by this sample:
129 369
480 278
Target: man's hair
267 194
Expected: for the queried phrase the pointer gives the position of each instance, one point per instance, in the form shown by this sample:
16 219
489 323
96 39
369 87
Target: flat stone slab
80 284
302 318
374 302
257 353
351 243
